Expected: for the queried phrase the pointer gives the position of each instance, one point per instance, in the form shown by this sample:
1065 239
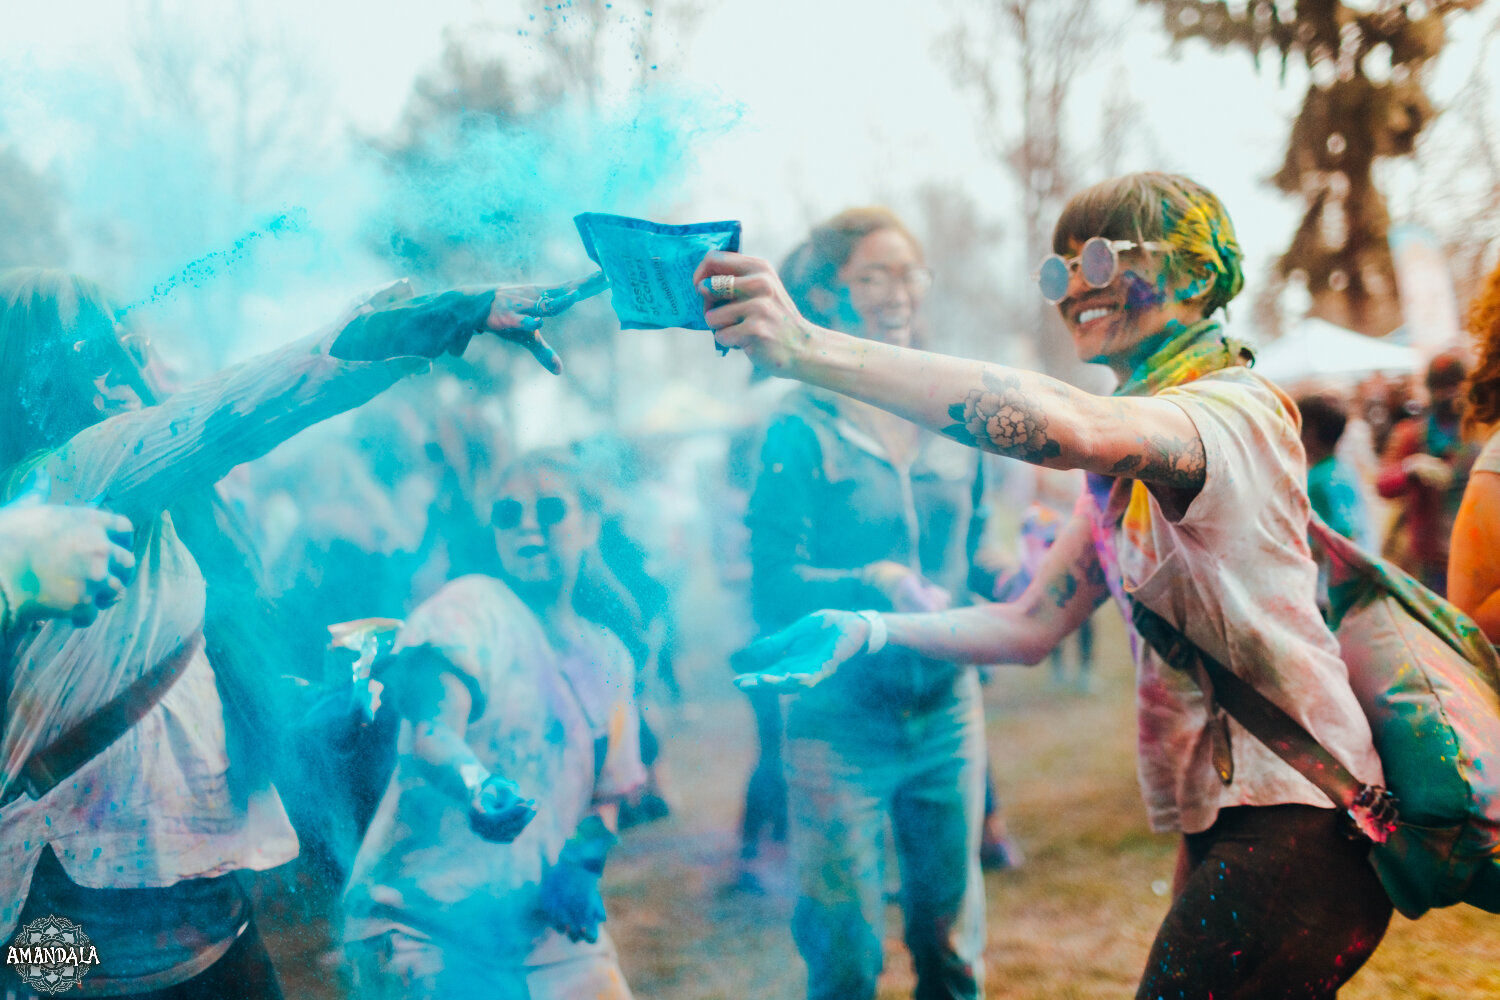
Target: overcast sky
842 101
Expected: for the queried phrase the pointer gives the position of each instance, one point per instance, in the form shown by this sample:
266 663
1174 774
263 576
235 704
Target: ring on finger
722 286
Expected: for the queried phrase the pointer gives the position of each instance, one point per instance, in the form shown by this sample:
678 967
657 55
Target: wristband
875 642
474 776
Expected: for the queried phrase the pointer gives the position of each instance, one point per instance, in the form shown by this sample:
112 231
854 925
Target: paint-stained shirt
561 724
1236 575
155 807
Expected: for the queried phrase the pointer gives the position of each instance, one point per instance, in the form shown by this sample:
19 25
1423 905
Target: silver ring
722 285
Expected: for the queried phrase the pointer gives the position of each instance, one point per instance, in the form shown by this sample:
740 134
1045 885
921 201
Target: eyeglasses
506 514
1098 262
917 281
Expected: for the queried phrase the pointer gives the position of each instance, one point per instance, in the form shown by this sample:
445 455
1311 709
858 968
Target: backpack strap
91 736
1371 807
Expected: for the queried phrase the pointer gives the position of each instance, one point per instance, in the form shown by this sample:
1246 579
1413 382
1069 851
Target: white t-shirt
155 808
540 718
1236 575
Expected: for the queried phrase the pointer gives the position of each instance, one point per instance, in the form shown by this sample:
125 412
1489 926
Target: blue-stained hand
498 813
803 655
517 312
570 900
395 323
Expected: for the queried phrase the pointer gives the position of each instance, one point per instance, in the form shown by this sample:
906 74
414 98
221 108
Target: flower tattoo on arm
1176 463
1002 417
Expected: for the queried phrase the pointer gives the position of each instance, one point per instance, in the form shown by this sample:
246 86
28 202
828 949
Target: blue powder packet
650 266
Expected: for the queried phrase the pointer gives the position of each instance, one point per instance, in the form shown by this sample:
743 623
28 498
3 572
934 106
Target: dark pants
140 933
1277 904
765 796
244 973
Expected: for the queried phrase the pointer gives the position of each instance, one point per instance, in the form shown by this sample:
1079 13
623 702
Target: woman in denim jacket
856 509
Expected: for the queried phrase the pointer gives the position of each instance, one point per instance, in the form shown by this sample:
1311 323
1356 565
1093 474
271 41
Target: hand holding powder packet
650 266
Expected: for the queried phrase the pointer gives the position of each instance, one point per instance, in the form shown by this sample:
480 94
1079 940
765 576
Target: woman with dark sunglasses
122 803
1196 509
502 675
855 508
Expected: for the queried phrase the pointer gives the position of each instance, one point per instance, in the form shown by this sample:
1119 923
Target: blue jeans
849 770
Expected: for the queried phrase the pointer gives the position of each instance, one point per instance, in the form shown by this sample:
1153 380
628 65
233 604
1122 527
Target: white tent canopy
1316 348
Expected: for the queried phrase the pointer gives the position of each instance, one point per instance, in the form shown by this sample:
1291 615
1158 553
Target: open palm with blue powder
802 655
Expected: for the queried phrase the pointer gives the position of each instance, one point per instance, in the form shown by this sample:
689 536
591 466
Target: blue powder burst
220 262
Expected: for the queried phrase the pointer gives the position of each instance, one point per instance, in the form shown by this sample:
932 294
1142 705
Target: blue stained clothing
925 771
900 739
829 501
1336 497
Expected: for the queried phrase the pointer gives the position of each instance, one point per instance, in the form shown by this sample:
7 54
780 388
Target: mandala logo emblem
51 954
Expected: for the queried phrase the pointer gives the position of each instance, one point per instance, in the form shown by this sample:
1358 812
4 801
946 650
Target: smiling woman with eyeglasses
856 508
1195 510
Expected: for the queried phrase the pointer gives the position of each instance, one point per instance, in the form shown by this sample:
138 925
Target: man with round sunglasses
1196 509
503 675
1098 262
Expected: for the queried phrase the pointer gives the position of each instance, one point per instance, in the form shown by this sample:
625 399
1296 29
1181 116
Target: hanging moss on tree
1355 112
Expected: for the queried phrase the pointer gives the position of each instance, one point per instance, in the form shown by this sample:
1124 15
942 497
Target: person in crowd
60 562
502 676
855 508
124 800
1051 506
1332 488
1473 567
1425 467
1195 507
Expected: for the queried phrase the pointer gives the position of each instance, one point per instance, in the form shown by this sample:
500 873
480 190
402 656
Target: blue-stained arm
141 462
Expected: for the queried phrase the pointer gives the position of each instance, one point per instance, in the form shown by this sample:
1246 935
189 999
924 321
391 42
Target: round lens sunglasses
1098 261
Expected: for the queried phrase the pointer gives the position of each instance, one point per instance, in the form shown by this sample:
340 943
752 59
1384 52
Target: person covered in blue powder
1196 510
1332 487
502 676
855 508
125 802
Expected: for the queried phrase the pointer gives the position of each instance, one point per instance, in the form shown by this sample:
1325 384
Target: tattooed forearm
1177 463
1003 417
1062 590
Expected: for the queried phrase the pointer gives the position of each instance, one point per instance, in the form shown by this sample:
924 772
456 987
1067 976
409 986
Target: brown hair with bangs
814 263
1146 207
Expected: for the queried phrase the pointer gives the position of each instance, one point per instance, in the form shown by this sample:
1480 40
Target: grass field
1073 923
